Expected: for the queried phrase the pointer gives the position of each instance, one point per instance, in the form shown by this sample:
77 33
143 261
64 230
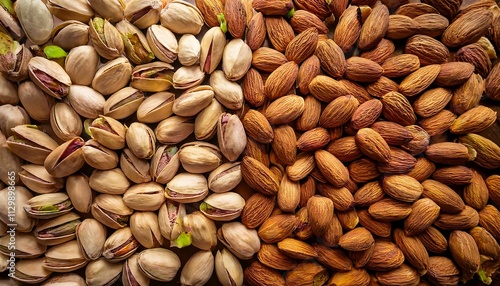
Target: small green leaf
290 13
54 52
222 21
7 5
482 275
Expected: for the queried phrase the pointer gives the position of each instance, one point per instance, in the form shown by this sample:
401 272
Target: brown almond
400 162
333 233
288 194
360 258
363 170
257 209
256 32
439 123
333 169
453 175
397 108
284 144
369 194
362 70
259 275
310 117
401 27
454 73
376 227
443 271
403 275
468 95
338 112
413 250
465 252
326 89
373 145
468 28
297 249
302 46
303 20
492 89
267 59
419 80
280 32
317 7
464 220
320 212
402 187
341 197
381 52
477 56
486 242
307 190
307 272
257 150
446 8
423 169
401 65
236 17
334 259
273 8
271 256
358 239
382 86
331 58
304 230
353 277
281 80
308 70
431 24
313 139
374 28
476 193
253 88
474 120
447 199
433 240
488 218
432 101
257 126
389 210
450 153
423 214
386 256
429 50
394 134
277 227
345 149
348 219
357 90
488 152
258 176
415 9
302 167
420 140
348 29
366 114
285 109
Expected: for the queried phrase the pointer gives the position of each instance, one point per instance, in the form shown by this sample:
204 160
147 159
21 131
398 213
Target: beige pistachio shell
26 246
70 34
231 136
66 159
141 140
24 222
91 236
182 18
193 100
11 25
189 50
174 129
134 168
112 76
48 206
187 188
12 163
105 38
86 101
120 245
57 230
164 163
112 181
8 92
223 207
205 124
159 264
228 268
31 271
132 275
240 240
49 76
78 10
163 43
212 48
65 122
81 64
65 257
79 191
236 59
12 116
143 13
144 226
31 144
36 20
170 217
37 179
102 272
144 197
202 229
123 103
198 269
156 107
228 93
36 102
99 157
152 77
111 211
108 9
68 279
199 157
225 178
108 132
187 77
136 46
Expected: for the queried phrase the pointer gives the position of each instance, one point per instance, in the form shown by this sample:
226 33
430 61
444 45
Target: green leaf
7 5
222 21
54 52
290 13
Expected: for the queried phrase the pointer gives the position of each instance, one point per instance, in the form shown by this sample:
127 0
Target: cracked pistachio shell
202 229
112 182
26 246
108 132
8 92
212 48
199 157
49 76
198 269
142 13
134 168
132 275
31 271
68 279
78 10
91 236
31 144
123 103
86 101
228 93
70 34
159 264
12 116
57 230
136 46
36 178
223 207
164 163
112 76
78 190
152 77
240 240
187 77
65 122
205 124
156 107
174 129
10 24
236 59
99 157
120 245
66 159
36 102
187 188
189 50
102 272
144 197
231 136
81 64
105 38
48 206
65 257
108 9
182 18
24 222
14 64
163 43
141 140
193 100
144 226
225 178
111 211
36 20
170 217
228 268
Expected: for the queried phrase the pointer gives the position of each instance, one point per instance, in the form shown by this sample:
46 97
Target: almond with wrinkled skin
439 123
401 162
310 117
403 275
413 250
345 149
447 199
333 233
381 52
476 193
327 89
280 32
382 86
402 187
347 31
357 90
493 184
366 114
433 240
464 220
443 271
236 17
288 194
397 108
358 239
488 152
368 194
373 145
257 126
338 112
284 144
313 139
341 197
348 219
253 88
257 209
285 109
352 277
317 7
468 28
423 169
273 8
360 258
308 70
363 170
401 65
488 218
302 167
281 80
389 210
474 120
333 170
256 32
334 259
267 59
423 214
297 249
419 80
303 19
307 190
453 175
429 50
258 151
277 227
386 256
450 153
415 9
432 25
432 101
454 73
259 275
401 27
477 56
302 46
332 58
445 8
465 252
492 88
468 95
271 256
362 70
374 28
376 227
258 176
420 140
394 134
320 213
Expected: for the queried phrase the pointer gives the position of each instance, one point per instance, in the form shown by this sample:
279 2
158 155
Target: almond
281 80
333 233
468 28
310 117
360 258
420 140
476 193
447 8
348 29
363 170
304 230
210 9
373 145
447 199
423 169
362 70
382 86
424 213
256 32
474 120
253 88
442 270
419 80
366 114
433 240
488 152
397 108
302 167
402 187
271 256
477 56
401 65
368 194
352 277
358 239
432 101
307 272
454 73
236 17
356 90
258 176
267 59
317 7
257 209
432 24
284 144
453 175
331 58
332 258
348 219
341 197
279 31
313 139
303 20
345 149
277 227
403 275
273 8
302 46
413 250
394 134
374 28
320 213
414 10
429 50
285 109
338 112
297 249
386 256
465 252
333 170
257 126
492 89
259 275
400 162
450 153
381 52
326 89
307 190
308 70
389 210
376 227
439 123
288 194
488 218
464 220
257 150
401 27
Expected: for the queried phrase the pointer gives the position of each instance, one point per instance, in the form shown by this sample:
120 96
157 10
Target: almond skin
280 32
468 28
303 20
433 240
267 59
313 139
414 10
334 171
381 52
334 259
285 109
257 127
447 199
423 214
389 210
326 89
474 120
450 153
477 56
345 149
253 88
394 134
362 70
308 70
236 17
397 108
302 46
492 89
348 29
258 274
454 73
374 28
402 187
465 252
297 249
386 256
284 144
358 239
373 145
281 80
429 50
256 32
419 80
401 27
439 123
271 256
432 24
401 65
331 58
401 162
273 8
338 112
382 86
468 95
413 250
366 114
258 176
432 101
257 209
310 117
376 227
277 227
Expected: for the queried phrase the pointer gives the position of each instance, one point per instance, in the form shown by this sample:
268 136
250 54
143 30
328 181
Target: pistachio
81 64
159 264
105 38
225 177
202 230
49 76
136 46
236 59
70 34
198 269
111 181
240 240
14 63
8 91
212 48
231 136
98 156
12 163
156 107
48 205
163 43
199 157
111 211
144 226
112 76
223 207
31 271
66 257
37 103
109 132
143 14
187 77
78 10
144 197
36 178
228 269
182 18
65 122
24 222
120 245
205 124
193 100
26 246
228 93
102 272
141 140
123 103
174 129
152 77
36 20
10 117
78 189
65 159
108 9
30 143
91 236
170 218
72 279
189 50
10 24
134 168
57 230
132 275
86 101
187 188
164 163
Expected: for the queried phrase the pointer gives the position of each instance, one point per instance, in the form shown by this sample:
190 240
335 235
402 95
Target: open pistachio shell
182 17
212 48
26 246
66 257
202 230
108 132
137 49
164 163
65 122
240 240
132 275
37 179
144 197
112 76
152 77
199 157
70 34
223 206
143 13
205 124
36 20
170 217
120 245
66 159
111 211
78 10
98 156
134 168
31 144
49 76
187 77
225 178
163 43
68 279
31 271
102 272
187 188
48 205
193 100
144 226
123 103
108 9
156 107
57 230
141 140
228 268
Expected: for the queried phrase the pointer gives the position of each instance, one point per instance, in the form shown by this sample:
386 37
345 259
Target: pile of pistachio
116 117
